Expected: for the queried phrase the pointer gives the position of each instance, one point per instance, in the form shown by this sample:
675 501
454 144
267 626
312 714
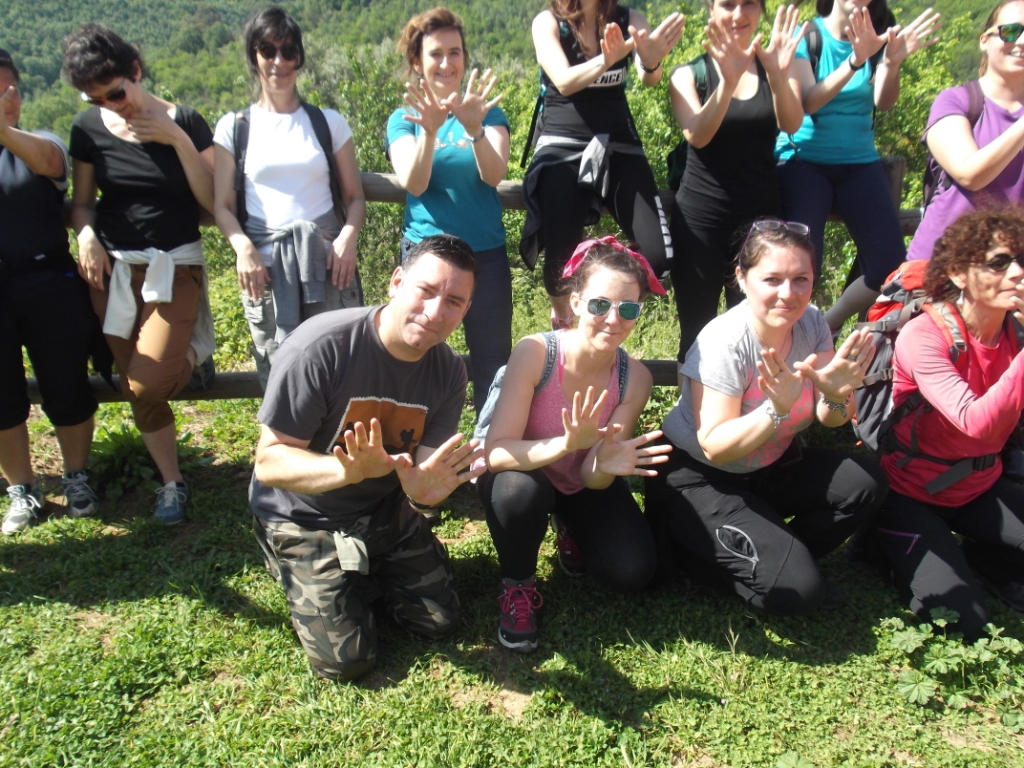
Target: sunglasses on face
1002 261
628 310
769 225
1008 33
114 96
269 51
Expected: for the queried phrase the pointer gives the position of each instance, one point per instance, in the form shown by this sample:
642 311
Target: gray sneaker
79 498
170 503
22 512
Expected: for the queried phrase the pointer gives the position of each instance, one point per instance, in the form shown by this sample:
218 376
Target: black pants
632 199
733 527
932 570
607 524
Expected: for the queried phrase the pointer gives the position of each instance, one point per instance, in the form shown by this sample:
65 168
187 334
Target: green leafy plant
120 461
942 668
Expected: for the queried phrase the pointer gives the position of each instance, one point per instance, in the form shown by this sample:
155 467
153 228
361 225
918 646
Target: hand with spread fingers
862 36
725 48
653 46
780 384
782 46
428 111
364 456
581 426
431 480
623 458
844 372
614 45
918 34
471 107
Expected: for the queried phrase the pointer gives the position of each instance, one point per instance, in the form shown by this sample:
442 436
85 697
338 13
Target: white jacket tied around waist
158 287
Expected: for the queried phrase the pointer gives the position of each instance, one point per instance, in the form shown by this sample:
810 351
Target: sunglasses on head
628 310
269 51
114 96
1009 33
769 225
1002 261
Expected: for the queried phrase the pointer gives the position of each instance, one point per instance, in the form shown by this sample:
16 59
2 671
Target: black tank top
600 107
736 169
30 216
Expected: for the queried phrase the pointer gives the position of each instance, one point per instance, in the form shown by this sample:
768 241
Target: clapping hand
622 458
432 480
777 57
844 372
581 426
614 46
471 108
779 384
862 36
429 113
654 46
724 47
918 34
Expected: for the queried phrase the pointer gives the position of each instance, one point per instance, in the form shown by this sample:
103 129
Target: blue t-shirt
457 201
840 132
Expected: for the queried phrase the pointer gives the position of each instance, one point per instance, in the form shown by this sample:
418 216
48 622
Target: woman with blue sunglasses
736 497
560 443
975 132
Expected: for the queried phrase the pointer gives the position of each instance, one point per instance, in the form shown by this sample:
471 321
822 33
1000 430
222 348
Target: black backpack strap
975 101
550 358
241 142
537 109
814 43
623 364
700 77
323 135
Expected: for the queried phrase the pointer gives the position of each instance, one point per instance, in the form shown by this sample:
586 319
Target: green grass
125 643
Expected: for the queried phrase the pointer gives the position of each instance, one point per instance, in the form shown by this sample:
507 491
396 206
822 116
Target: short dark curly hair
97 54
271 23
966 241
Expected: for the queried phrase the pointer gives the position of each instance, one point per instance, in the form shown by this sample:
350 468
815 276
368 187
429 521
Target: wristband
650 70
855 67
419 507
475 139
776 418
834 406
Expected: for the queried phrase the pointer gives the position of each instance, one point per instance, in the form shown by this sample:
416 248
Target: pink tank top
545 421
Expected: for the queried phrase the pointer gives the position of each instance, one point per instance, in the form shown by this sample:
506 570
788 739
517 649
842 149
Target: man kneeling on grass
343 467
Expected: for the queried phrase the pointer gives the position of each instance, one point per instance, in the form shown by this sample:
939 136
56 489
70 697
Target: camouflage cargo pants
408 569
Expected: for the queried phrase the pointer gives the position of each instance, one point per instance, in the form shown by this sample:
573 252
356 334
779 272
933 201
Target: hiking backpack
935 179
902 299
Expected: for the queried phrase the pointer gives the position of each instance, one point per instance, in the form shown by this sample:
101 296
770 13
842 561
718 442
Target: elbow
695 140
412 186
791 126
970 182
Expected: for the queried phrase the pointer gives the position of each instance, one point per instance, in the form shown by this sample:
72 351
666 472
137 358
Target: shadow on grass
126 555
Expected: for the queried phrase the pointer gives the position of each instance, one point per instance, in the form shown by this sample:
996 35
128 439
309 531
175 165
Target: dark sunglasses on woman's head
1009 33
114 96
628 310
266 49
769 225
1002 261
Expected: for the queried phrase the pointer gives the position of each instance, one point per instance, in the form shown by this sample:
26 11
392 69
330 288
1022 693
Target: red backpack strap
954 331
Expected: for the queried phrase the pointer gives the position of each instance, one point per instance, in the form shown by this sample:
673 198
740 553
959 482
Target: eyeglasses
1001 262
1008 33
628 310
269 51
112 97
770 225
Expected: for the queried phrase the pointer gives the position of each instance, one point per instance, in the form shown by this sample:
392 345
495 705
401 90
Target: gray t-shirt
724 358
333 371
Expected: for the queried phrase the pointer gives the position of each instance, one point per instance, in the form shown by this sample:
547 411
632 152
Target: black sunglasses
114 96
1009 33
266 49
628 310
1002 261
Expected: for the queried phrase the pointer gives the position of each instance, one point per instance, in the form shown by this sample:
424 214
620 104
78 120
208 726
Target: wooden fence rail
384 188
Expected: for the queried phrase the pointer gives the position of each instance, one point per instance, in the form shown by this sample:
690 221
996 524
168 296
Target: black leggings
607 524
632 199
733 527
932 570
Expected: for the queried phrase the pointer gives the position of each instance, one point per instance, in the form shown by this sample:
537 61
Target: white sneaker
22 512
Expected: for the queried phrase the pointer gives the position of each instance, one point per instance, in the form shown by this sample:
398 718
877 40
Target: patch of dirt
505 701
693 760
96 620
470 530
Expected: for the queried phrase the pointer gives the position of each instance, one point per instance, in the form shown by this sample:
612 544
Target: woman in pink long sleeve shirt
972 406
